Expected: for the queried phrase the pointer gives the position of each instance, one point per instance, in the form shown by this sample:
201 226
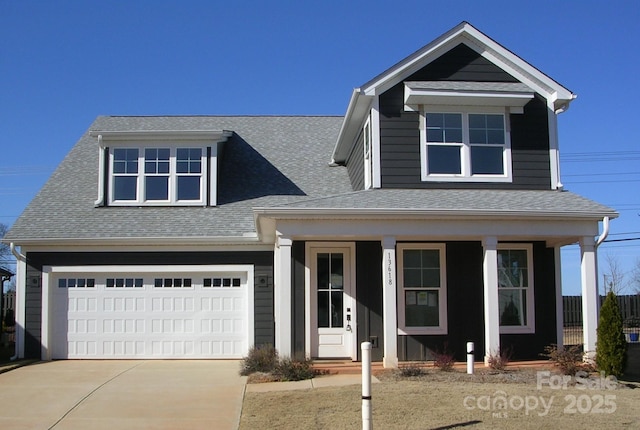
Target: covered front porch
427 279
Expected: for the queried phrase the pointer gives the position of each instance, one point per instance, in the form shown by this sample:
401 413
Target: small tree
611 347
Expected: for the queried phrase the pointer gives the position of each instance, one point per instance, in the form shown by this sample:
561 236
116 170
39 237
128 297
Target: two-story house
432 213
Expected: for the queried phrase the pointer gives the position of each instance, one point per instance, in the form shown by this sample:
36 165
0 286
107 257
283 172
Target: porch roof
449 202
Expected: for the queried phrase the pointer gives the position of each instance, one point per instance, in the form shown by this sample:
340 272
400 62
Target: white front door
332 303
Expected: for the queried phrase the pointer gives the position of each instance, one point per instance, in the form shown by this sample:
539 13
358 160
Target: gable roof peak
362 98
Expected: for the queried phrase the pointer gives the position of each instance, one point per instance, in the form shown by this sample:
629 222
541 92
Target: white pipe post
470 357
366 386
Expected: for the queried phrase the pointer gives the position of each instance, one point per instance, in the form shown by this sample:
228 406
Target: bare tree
614 277
5 252
635 277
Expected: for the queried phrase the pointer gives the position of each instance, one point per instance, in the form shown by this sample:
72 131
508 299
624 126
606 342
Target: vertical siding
369 296
263 282
465 309
465 314
529 346
400 136
355 164
298 299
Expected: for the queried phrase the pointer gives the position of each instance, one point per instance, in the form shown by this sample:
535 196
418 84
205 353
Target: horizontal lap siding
400 162
261 260
355 164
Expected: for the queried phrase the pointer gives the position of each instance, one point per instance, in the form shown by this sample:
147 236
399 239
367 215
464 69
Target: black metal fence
572 312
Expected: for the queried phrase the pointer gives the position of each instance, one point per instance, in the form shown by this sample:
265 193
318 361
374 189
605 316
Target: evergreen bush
611 346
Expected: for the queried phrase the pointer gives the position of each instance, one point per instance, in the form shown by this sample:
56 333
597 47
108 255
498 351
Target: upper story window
465 146
159 168
153 175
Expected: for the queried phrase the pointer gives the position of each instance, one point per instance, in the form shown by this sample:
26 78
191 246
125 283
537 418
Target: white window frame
172 199
530 325
368 154
442 296
465 146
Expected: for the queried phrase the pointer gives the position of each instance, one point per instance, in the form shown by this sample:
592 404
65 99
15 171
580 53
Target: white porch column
20 305
589 271
559 299
491 304
282 296
389 303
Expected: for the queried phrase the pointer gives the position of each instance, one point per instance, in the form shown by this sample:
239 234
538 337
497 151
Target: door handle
348 328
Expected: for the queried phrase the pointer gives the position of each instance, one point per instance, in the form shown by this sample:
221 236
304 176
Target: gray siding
400 134
369 297
465 308
298 299
263 281
355 164
33 311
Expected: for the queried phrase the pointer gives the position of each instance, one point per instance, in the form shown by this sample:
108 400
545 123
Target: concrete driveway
145 394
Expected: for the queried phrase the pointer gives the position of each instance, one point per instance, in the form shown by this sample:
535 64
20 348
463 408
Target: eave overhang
266 218
138 135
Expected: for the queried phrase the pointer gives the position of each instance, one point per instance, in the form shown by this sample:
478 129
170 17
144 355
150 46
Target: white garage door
151 312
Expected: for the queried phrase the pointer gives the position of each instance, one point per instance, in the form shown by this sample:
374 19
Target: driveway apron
122 394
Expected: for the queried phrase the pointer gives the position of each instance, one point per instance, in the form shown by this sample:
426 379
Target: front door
332 303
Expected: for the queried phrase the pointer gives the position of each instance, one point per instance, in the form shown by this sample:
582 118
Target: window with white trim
422 289
515 288
368 156
466 146
163 175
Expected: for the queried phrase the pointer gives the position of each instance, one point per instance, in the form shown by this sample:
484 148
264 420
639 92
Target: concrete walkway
318 382
119 394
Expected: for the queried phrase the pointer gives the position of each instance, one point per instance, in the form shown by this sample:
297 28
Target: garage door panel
130 316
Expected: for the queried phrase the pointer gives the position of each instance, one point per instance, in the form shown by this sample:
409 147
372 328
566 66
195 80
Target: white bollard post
470 357
366 386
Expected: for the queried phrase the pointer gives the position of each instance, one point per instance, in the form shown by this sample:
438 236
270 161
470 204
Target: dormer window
159 168
469 146
158 175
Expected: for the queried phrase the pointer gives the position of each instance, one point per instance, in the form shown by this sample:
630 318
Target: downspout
20 257
605 231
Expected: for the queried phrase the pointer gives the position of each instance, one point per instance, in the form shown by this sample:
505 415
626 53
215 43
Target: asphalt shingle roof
270 162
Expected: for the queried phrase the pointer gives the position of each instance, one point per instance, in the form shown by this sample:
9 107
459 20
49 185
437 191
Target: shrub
294 369
410 369
500 360
568 360
611 346
443 359
259 359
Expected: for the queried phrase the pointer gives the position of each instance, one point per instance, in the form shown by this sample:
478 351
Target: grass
437 401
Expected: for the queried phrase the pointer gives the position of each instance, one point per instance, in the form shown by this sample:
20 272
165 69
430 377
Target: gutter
314 213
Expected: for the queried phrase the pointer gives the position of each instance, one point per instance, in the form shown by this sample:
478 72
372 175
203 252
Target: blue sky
63 63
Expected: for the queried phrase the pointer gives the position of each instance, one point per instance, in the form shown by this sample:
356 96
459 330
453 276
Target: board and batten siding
465 310
400 133
263 282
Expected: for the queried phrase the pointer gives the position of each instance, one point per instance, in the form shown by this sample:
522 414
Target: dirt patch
447 400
